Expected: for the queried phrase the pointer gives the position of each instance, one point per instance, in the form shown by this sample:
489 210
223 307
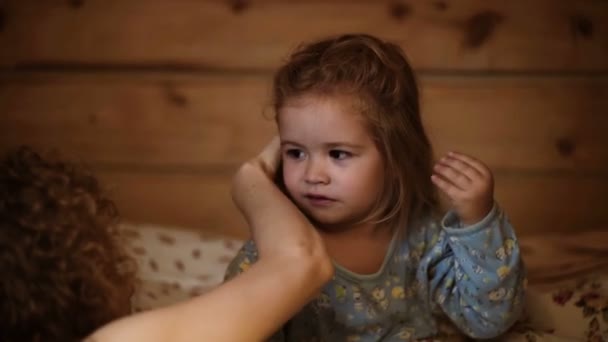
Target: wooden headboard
164 99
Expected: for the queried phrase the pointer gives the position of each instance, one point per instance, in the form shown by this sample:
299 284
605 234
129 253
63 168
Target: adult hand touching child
292 268
254 191
468 183
268 159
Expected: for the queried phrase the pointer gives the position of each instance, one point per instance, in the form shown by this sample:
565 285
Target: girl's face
332 168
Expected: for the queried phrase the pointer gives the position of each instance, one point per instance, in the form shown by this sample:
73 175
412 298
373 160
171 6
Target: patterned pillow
176 264
575 311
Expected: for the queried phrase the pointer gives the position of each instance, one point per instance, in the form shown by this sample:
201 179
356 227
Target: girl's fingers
472 162
464 168
453 175
450 189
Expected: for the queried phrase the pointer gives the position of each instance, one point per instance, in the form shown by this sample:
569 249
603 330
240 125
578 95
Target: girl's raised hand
468 183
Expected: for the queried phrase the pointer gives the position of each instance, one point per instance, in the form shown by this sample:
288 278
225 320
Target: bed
568 278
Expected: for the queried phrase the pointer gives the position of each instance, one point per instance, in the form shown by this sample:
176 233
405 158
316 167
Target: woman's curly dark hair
65 271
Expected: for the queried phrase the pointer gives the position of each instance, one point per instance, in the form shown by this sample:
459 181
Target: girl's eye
294 153
339 154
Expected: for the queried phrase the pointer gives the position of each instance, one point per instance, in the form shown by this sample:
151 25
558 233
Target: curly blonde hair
65 270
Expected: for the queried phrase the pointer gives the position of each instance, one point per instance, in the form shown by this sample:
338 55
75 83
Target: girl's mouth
319 200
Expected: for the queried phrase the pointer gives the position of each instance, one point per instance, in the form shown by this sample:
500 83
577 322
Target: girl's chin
330 226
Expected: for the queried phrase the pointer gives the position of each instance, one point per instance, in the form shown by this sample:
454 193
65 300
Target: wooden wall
165 98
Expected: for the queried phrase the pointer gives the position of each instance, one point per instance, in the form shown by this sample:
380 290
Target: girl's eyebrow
330 145
289 142
344 144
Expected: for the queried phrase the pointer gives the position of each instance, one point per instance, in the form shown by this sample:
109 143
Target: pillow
176 264
578 310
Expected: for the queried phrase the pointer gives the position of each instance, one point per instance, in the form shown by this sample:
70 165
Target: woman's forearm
257 303
248 308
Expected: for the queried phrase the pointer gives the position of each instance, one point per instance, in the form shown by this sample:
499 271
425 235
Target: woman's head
65 270
373 79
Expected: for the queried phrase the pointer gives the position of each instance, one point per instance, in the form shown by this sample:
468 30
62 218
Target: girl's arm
478 276
293 265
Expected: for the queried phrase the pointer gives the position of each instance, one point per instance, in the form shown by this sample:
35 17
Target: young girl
357 162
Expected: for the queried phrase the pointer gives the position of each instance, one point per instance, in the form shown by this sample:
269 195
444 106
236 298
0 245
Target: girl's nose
316 173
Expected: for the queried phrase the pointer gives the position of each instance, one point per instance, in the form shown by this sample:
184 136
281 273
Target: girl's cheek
289 178
287 175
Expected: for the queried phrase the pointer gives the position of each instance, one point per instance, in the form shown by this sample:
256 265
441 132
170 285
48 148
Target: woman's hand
270 157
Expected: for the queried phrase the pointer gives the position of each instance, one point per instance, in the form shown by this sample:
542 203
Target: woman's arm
278 226
292 267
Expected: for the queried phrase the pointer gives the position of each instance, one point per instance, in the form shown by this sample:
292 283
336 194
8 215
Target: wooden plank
201 201
554 259
546 203
151 122
522 123
198 201
437 35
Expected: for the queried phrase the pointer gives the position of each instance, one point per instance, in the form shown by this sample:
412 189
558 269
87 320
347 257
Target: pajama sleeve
476 274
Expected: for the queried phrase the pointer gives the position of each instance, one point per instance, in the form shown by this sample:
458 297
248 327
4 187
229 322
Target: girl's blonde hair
377 77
